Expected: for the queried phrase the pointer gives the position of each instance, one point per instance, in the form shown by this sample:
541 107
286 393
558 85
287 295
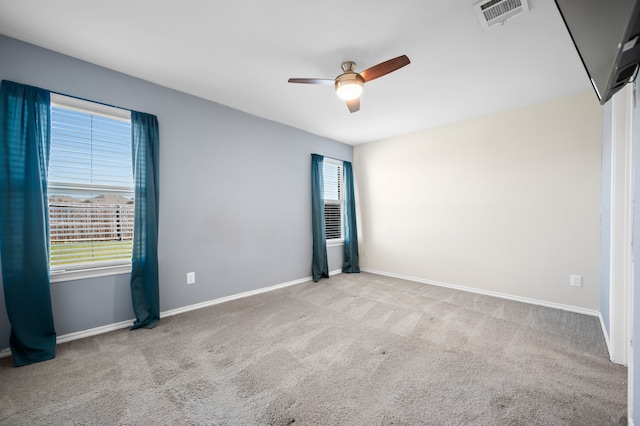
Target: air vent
495 12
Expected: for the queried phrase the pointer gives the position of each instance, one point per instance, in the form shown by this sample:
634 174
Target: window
333 200
90 189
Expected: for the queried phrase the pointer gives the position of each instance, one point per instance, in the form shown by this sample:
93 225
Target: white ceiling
241 53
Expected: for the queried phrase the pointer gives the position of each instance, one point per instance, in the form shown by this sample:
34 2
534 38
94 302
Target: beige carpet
351 350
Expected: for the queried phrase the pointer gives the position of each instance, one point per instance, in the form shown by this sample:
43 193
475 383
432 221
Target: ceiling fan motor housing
349 85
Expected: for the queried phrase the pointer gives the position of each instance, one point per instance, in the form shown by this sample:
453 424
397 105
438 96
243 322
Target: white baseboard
239 296
569 308
81 334
93 331
124 324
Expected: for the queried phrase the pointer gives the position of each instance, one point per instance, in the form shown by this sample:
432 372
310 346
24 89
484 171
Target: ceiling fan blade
354 105
384 68
312 80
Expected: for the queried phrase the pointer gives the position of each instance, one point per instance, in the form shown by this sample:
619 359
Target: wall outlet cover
575 281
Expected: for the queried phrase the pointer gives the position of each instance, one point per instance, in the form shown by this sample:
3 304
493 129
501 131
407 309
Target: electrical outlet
191 277
575 281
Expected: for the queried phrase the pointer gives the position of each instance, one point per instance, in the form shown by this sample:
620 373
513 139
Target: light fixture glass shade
349 86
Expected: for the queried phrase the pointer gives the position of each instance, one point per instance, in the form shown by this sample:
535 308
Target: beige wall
506 203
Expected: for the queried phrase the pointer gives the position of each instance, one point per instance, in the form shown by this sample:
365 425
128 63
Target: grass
91 251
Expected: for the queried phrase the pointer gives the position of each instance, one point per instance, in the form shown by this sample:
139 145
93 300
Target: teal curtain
144 263
24 229
319 263
351 263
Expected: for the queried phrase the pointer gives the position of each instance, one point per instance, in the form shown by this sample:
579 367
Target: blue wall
235 198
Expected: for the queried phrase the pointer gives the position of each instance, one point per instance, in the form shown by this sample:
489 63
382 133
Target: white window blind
333 198
90 186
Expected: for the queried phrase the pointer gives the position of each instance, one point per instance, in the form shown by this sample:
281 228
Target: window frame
332 242
63 273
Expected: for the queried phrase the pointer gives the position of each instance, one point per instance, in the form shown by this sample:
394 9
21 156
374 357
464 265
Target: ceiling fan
349 84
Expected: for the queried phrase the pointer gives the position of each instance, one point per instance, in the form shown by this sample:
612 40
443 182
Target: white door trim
621 225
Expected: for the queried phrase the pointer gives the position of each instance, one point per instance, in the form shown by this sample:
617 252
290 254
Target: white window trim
79 272
61 275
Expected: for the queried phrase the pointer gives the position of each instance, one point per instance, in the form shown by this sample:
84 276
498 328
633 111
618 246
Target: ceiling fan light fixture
349 86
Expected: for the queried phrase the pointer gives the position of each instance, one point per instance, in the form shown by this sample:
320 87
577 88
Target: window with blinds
333 198
90 187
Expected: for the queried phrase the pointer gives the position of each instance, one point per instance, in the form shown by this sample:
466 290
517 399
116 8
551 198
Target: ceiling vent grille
495 12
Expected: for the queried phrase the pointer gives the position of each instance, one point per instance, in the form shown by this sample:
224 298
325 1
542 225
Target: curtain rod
70 96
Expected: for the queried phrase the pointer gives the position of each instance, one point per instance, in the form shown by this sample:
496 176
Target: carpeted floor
356 349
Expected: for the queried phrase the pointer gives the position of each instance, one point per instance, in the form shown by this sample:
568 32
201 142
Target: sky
89 149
